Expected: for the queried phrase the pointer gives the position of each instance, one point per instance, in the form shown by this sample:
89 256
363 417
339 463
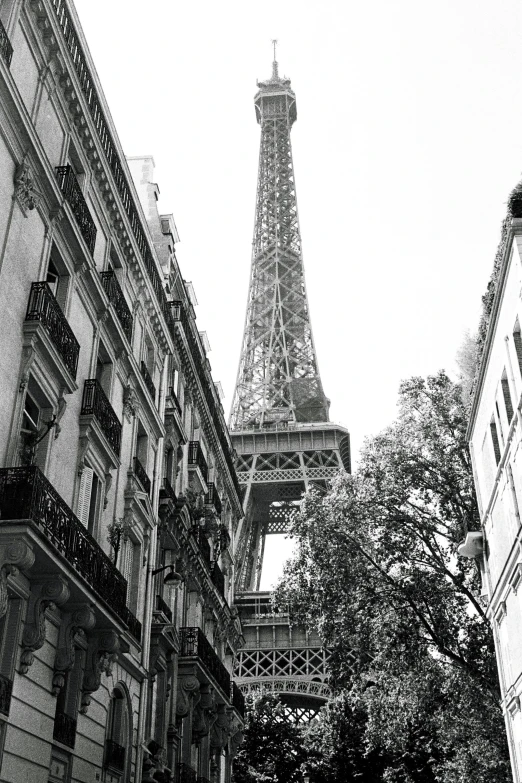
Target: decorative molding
219 732
49 594
14 555
187 694
73 626
102 653
26 193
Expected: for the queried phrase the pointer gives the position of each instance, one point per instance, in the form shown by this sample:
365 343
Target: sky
407 143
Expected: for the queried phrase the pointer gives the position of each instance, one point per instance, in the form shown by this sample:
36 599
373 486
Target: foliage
273 750
376 572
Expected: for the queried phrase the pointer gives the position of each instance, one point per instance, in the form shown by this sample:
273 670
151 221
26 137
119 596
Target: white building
495 434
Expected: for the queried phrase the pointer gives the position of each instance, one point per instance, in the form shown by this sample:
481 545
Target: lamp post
173 579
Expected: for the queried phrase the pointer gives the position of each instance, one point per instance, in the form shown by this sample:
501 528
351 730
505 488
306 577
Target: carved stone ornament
236 740
14 556
220 729
187 695
26 192
204 714
49 594
130 402
74 624
102 652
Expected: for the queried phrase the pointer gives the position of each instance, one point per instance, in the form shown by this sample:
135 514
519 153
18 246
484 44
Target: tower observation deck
279 420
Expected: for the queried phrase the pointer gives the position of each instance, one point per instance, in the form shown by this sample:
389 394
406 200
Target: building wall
98 680
496 448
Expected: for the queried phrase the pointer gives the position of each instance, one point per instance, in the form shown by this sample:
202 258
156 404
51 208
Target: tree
376 572
273 750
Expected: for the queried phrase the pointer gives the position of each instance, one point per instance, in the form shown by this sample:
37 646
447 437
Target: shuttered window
84 496
507 398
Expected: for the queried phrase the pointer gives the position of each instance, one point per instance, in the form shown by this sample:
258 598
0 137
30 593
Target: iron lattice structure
280 425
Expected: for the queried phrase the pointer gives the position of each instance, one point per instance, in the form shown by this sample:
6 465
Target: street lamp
173 579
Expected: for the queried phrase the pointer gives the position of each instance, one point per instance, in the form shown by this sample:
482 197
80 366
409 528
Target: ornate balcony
27 495
179 315
132 623
148 381
114 755
95 403
203 544
141 475
162 608
6 50
218 578
64 730
166 491
238 699
44 308
196 459
194 644
72 192
6 689
186 774
212 498
118 301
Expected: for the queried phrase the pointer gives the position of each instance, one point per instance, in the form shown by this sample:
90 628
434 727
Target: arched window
118 743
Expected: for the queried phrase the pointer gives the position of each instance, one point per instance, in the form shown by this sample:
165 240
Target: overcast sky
407 143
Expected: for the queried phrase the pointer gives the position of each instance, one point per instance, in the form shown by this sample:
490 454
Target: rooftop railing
194 644
111 153
118 301
72 192
95 403
43 307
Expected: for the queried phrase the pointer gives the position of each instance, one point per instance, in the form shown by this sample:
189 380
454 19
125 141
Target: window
104 369
89 499
29 429
34 434
494 438
517 339
118 741
58 278
507 397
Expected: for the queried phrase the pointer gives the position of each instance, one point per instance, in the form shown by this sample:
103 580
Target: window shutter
84 496
127 560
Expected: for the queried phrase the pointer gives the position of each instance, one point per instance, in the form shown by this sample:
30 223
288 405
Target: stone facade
495 433
116 475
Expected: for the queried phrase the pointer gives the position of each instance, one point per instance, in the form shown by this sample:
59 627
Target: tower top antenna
275 72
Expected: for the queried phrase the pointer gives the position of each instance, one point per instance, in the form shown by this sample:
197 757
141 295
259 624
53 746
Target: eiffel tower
279 420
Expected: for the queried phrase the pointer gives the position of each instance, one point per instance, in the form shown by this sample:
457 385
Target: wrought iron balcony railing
194 644
141 475
132 623
218 578
238 699
186 774
212 498
6 689
164 608
118 301
64 729
6 50
203 544
145 374
175 402
90 94
166 491
197 458
43 307
71 190
26 494
114 755
95 403
178 313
